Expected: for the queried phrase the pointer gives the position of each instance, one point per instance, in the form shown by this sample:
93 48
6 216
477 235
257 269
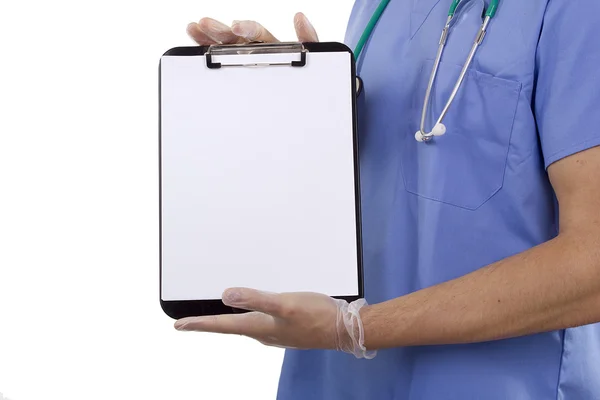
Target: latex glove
209 31
289 320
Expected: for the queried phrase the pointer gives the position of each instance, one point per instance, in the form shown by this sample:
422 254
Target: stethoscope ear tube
439 128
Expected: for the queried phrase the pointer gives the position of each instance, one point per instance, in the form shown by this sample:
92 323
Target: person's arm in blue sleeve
555 285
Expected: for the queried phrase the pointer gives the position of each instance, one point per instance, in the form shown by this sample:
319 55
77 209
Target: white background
79 311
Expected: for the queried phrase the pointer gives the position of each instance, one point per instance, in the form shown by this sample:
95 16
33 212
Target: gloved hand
289 320
209 31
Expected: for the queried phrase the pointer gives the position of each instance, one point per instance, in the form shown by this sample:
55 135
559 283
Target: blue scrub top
480 193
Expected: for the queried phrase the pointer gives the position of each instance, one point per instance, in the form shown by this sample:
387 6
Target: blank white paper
257 176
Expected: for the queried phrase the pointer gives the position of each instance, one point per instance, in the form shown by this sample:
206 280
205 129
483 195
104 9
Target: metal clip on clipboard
244 55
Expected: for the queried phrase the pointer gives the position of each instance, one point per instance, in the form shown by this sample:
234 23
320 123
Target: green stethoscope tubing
490 12
370 26
439 128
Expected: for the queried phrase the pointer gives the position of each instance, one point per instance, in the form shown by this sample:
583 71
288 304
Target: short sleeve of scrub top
567 94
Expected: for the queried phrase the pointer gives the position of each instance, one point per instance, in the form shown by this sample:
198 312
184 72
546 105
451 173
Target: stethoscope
439 128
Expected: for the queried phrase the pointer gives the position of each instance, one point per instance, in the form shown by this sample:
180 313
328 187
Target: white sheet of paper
257 178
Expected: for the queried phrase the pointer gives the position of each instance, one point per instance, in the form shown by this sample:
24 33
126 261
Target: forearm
552 286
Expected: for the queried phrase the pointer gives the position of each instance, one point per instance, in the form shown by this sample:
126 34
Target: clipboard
258 173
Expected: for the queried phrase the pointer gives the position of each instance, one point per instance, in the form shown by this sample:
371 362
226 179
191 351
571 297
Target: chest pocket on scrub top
465 167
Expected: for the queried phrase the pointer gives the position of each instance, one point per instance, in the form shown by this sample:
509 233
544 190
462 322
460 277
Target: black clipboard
209 216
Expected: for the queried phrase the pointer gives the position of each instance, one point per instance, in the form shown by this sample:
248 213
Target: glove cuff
351 334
